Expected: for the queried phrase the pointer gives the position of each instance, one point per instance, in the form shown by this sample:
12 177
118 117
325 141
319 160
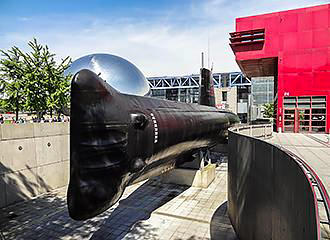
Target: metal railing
272 193
266 132
317 184
263 131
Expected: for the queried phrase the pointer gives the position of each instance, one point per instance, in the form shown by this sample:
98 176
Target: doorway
304 114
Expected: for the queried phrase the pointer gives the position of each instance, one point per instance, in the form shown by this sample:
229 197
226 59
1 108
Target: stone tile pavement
314 149
147 210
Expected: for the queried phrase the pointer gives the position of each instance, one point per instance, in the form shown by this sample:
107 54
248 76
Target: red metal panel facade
299 41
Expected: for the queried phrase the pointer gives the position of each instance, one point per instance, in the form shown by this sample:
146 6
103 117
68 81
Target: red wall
301 40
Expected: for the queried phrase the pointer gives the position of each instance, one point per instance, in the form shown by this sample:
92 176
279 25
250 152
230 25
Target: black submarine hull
118 139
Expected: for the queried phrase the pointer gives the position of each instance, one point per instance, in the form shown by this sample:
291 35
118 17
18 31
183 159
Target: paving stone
147 210
316 153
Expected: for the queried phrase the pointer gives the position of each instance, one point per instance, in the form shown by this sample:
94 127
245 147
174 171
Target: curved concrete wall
269 195
34 158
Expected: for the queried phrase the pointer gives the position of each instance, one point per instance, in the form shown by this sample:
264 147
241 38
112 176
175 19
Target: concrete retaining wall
34 158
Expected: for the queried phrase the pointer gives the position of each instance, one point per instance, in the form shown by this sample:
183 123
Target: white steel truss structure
192 81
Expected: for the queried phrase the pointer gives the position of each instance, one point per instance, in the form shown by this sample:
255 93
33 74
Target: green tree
35 87
47 79
269 110
2 105
12 80
44 87
57 85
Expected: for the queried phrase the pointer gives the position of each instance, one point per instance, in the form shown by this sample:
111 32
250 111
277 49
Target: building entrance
304 114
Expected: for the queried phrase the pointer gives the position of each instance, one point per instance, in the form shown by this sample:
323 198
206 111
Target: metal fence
258 131
270 193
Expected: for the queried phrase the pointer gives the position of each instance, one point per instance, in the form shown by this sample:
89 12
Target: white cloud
157 49
169 45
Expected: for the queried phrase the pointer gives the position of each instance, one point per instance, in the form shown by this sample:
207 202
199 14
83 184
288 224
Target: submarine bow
117 139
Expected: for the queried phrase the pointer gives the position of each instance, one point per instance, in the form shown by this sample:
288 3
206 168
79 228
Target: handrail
313 180
312 177
240 128
316 182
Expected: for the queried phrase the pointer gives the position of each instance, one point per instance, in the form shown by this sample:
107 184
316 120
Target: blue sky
160 37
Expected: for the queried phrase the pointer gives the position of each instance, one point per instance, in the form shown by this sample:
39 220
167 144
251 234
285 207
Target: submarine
117 139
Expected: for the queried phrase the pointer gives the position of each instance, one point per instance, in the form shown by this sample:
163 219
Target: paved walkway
314 149
148 210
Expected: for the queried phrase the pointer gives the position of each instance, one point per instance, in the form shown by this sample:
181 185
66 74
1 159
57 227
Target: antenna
202 60
208 51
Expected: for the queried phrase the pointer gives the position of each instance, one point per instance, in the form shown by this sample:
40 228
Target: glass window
224 96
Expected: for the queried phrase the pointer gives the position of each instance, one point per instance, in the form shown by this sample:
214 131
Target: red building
294 47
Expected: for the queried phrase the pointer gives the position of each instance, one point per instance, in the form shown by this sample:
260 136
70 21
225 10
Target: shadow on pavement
20 185
15 187
134 209
220 227
46 217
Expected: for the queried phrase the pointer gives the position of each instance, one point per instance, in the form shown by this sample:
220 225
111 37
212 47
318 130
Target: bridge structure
186 88
192 81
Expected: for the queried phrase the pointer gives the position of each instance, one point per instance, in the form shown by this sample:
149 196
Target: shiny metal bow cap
116 71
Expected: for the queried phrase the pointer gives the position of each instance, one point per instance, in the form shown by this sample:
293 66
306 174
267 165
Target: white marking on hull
155 127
